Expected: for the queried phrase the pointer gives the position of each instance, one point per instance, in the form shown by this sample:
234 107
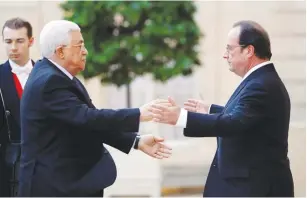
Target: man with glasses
17 37
251 129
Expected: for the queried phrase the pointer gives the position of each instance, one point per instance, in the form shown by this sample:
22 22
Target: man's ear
59 52
250 51
31 41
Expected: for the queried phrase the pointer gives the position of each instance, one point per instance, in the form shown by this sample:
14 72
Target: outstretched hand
145 114
154 146
167 114
197 106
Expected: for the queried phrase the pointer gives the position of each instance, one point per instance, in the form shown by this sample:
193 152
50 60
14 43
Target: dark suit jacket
11 99
252 131
63 134
12 103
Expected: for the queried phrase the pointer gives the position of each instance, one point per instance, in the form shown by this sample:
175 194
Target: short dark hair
251 33
17 23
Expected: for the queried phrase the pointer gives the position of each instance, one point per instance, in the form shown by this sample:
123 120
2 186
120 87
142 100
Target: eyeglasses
232 47
81 46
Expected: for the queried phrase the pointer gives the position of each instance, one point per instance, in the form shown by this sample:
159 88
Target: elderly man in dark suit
251 129
62 132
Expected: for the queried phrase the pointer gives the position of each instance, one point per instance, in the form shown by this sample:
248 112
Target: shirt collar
62 69
18 69
255 68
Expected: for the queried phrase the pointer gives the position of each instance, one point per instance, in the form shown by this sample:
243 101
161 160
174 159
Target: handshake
167 111
164 111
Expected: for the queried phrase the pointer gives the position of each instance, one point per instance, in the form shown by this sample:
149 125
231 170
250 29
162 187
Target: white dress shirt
22 72
183 116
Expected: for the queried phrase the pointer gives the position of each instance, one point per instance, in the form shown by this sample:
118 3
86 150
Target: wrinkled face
17 44
235 55
74 54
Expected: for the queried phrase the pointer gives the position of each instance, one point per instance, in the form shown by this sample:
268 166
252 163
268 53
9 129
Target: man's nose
85 52
225 56
14 46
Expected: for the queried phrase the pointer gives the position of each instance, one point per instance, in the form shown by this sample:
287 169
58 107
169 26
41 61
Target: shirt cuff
209 109
182 120
132 147
133 143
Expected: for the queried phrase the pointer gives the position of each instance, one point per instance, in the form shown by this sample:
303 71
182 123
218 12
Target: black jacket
63 133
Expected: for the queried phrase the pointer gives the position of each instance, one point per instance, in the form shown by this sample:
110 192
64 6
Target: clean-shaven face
17 44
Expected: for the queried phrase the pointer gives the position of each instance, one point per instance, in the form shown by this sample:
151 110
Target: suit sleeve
122 142
249 112
216 108
63 106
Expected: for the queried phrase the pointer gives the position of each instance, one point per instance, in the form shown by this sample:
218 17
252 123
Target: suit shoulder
43 74
256 84
43 70
2 65
55 81
269 83
266 80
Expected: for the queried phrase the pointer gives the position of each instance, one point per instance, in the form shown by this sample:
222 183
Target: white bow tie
22 70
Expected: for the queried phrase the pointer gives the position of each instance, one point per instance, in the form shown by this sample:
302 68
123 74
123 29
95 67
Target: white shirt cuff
209 109
133 143
182 120
132 148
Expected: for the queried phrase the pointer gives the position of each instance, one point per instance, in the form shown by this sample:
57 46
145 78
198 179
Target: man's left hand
154 147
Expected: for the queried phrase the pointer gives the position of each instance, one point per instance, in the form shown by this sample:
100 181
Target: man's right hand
197 106
146 115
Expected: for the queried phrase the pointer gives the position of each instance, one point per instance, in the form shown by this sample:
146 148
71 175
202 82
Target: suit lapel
255 74
235 93
81 88
9 91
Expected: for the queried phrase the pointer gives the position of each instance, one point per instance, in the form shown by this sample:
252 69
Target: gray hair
55 34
